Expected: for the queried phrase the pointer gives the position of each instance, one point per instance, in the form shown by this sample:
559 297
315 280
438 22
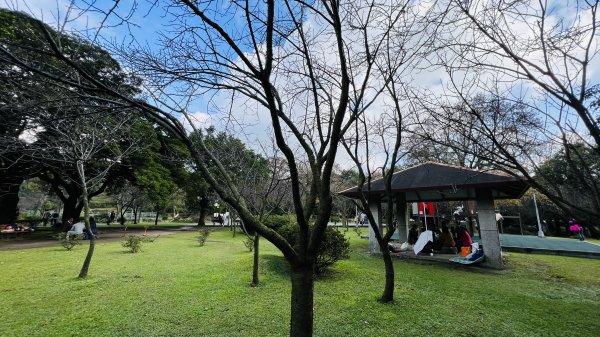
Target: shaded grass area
176 288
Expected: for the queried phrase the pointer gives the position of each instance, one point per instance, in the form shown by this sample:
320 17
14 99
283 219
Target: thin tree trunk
301 321
255 264
135 213
86 213
156 218
388 292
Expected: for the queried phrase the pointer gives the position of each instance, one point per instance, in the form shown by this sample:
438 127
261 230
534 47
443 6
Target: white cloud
200 120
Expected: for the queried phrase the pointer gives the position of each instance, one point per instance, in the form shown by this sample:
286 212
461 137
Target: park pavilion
434 182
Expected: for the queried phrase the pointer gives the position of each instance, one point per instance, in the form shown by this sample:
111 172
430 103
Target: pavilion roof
432 181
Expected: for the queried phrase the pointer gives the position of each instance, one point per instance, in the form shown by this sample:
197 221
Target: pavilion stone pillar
488 229
401 215
375 207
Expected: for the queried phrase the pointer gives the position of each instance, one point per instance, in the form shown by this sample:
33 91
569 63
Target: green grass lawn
176 288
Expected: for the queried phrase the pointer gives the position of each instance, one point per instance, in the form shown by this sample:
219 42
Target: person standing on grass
226 219
93 226
363 216
54 219
45 218
111 217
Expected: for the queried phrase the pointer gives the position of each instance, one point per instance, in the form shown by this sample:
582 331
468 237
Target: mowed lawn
176 288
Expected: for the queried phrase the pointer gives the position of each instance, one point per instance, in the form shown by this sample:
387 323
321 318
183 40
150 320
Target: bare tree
388 130
535 63
78 141
266 194
530 43
406 48
277 61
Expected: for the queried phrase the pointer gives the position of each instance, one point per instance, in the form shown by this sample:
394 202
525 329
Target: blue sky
147 22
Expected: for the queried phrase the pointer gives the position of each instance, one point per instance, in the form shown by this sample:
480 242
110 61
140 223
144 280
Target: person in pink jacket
464 237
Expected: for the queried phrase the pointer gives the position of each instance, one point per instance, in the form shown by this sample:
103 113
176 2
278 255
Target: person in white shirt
76 229
226 219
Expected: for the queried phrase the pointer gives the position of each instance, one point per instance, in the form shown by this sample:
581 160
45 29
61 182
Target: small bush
278 221
69 242
203 234
334 246
133 243
249 243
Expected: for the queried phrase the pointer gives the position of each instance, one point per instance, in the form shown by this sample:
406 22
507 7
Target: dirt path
104 235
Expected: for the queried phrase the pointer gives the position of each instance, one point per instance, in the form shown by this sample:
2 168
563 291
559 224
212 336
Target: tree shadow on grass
454 267
275 264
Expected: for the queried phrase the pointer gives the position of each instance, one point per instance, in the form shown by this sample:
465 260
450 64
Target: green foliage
31 100
233 154
572 174
69 242
203 234
133 243
249 243
333 248
276 222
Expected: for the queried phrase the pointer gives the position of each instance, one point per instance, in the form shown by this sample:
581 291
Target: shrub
134 243
69 242
203 234
334 246
278 221
249 243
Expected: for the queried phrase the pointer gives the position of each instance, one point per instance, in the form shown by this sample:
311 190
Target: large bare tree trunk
200 219
9 200
71 208
301 320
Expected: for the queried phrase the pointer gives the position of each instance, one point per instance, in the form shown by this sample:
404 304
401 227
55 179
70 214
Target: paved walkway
548 245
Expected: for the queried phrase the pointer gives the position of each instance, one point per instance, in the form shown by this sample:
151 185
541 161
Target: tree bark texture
9 201
388 291
88 258
255 262
203 210
301 320
86 213
71 208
